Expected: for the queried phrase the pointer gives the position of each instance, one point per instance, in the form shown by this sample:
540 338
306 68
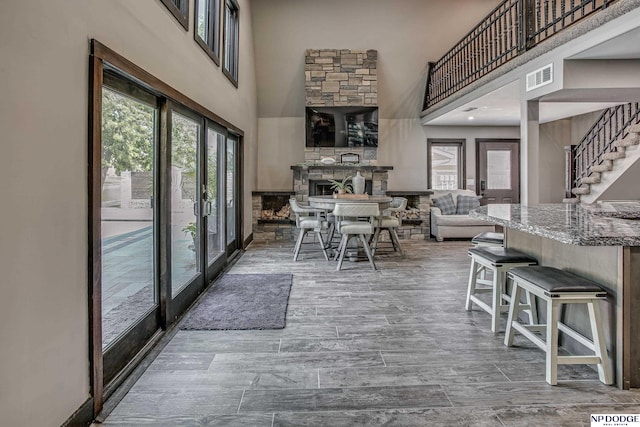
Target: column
530 152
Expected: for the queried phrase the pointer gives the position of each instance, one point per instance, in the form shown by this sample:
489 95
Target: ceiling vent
540 77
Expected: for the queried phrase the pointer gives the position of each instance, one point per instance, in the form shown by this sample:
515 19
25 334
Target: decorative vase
358 183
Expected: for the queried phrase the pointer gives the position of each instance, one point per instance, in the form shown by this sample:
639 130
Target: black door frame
100 59
235 246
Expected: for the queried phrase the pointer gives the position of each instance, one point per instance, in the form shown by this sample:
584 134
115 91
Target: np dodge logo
615 420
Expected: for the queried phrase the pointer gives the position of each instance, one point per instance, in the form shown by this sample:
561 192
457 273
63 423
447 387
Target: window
180 10
446 163
207 27
231 35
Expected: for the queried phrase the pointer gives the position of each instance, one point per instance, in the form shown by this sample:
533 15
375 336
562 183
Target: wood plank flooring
364 348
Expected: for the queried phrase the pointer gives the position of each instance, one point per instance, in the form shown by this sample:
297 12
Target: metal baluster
545 18
513 30
538 27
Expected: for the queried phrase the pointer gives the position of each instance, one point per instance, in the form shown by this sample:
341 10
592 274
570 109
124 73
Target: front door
498 170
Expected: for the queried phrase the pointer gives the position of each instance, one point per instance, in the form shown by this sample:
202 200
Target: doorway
498 170
164 211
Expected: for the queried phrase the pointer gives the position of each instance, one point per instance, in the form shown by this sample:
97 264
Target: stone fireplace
322 187
340 78
337 78
307 178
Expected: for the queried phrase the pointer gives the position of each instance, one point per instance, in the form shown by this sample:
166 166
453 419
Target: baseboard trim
82 417
248 240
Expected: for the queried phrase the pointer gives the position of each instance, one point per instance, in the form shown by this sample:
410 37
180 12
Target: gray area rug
242 301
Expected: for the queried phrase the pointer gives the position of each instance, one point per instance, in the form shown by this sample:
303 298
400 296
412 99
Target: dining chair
390 223
355 220
308 219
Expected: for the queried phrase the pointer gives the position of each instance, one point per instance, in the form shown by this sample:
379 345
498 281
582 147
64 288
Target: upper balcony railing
512 28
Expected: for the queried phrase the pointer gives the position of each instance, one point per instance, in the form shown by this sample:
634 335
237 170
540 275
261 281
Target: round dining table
328 202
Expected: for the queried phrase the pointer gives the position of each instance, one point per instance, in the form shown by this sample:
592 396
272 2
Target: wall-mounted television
341 126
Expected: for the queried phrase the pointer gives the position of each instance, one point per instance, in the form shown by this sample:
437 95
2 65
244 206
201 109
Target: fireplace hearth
322 187
314 179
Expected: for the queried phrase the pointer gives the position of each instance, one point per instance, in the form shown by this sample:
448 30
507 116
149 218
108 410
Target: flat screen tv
342 126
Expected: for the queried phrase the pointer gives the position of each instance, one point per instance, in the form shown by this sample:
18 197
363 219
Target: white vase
358 183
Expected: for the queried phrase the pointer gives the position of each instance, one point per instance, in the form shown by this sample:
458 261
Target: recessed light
470 118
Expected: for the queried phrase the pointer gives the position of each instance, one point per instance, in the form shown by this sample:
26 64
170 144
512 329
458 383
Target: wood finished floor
363 348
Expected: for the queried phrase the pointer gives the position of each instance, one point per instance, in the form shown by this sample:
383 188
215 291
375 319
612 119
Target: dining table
328 203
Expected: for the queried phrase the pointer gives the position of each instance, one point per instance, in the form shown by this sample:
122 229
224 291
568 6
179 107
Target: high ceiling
501 107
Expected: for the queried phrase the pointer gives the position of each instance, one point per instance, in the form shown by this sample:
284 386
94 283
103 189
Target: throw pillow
466 203
445 203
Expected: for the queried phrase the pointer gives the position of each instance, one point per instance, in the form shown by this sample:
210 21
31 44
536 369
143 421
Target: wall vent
540 77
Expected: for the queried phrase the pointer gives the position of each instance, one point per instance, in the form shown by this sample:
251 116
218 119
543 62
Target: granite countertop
584 225
625 209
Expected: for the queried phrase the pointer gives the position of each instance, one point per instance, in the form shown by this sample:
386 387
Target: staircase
605 153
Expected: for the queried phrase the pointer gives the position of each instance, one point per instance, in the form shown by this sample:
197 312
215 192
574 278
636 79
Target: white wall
407 34
276 155
44 46
403 145
554 136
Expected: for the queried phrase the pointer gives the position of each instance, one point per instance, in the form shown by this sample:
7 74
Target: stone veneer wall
302 176
341 77
265 231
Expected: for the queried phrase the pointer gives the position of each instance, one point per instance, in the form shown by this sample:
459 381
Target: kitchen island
598 242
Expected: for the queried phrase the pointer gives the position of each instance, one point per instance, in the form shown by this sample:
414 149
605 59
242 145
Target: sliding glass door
185 200
130 303
164 208
197 241
214 204
232 194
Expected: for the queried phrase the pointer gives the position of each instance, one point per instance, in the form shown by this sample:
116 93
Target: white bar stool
488 238
558 287
498 260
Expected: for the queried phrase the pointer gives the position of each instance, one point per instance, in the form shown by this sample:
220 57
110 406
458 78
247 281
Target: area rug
242 301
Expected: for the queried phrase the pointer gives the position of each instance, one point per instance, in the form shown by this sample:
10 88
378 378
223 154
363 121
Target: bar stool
498 261
558 287
488 238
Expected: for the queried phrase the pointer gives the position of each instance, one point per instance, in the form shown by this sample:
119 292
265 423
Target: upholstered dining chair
390 223
356 220
308 219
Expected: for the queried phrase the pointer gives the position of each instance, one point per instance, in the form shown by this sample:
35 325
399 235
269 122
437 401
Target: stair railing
613 124
512 28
